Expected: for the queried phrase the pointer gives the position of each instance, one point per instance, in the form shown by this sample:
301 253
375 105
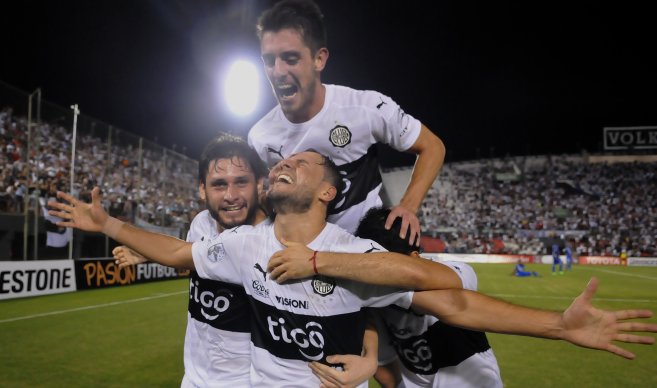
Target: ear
415 254
328 193
201 190
321 57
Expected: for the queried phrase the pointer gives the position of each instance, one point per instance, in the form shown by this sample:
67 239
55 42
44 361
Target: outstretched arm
431 154
124 256
92 217
581 324
379 268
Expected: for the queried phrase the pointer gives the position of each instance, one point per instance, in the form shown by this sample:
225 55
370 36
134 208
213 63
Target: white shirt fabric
347 129
217 351
301 321
433 354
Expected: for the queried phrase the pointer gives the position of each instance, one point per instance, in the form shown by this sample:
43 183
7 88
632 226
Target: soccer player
216 349
432 353
290 325
569 256
337 121
556 259
217 338
519 270
309 319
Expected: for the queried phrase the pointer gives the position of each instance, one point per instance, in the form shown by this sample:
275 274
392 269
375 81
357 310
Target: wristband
112 227
314 260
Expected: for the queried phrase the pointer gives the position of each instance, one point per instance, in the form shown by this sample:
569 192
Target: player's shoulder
202 225
260 127
340 94
462 269
465 272
247 229
344 241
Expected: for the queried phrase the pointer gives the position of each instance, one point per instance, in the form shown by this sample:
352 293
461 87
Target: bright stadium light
242 87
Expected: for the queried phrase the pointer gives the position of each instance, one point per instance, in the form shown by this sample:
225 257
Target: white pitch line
571 298
91 307
625 274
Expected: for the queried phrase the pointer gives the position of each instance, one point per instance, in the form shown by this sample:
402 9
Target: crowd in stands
523 205
512 205
158 189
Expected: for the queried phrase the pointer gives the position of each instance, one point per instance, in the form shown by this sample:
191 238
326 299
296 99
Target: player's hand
90 217
293 262
356 371
125 257
410 223
589 327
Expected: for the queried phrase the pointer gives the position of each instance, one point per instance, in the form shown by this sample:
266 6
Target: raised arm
92 217
581 324
379 268
430 152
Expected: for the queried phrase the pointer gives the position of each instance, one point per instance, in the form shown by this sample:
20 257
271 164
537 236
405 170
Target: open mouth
284 178
286 91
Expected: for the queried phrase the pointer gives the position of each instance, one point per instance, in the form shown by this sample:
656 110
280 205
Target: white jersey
434 354
217 339
301 321
347 129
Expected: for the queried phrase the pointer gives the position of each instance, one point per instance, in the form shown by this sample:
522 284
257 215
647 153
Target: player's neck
299 227
259 217
313 109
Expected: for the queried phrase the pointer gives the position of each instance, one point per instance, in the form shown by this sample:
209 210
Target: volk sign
630 138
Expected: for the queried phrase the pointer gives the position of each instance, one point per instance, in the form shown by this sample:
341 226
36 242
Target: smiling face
230 192
294 71
296 182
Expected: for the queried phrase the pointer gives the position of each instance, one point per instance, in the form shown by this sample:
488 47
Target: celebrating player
342 123
307 320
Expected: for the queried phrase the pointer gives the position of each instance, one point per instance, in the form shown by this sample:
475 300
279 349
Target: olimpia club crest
340 136
323 285
216 252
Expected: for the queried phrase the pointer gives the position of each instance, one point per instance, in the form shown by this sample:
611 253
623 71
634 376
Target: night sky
489 77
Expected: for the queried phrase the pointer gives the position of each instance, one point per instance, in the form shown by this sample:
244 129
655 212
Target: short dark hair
301 15
227 146
332 176
372 227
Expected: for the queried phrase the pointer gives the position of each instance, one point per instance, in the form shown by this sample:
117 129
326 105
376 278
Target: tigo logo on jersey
323 285
216 252
208 300
418 354
310 342
340 136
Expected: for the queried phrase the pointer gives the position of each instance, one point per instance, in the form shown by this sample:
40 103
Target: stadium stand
602 205
522 205
167 195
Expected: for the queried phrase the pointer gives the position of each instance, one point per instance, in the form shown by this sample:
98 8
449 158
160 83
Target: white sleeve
465 272
200 226
397 129
215 258
379 296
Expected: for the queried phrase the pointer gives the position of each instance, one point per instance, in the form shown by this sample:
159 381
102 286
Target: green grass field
133 336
